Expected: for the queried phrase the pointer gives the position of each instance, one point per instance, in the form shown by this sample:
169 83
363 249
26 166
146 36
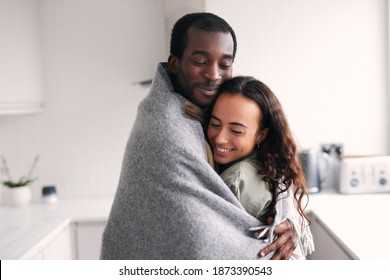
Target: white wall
93 52
175 9
325 59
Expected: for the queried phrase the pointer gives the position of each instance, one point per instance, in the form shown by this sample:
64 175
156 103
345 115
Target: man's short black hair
203 21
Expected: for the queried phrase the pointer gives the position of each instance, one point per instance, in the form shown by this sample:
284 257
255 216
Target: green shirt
249 187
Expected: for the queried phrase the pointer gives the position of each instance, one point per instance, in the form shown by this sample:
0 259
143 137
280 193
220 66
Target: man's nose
213 72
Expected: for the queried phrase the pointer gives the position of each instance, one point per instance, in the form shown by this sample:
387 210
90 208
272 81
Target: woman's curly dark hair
277 155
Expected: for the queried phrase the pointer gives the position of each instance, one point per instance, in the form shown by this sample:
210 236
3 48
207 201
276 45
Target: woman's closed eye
215 125
236 131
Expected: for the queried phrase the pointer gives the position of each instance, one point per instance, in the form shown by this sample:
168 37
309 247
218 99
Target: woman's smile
223 150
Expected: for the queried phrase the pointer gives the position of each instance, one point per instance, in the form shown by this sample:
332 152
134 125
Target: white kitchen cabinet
21 82
327 245
59 244
89 239
62 247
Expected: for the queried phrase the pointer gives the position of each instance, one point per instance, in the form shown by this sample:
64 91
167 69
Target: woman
256 155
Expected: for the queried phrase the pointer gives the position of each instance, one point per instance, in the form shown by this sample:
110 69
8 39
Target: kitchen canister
49 194
335 152
315 165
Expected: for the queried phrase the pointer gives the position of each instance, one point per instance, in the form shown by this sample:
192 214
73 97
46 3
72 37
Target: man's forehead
201 41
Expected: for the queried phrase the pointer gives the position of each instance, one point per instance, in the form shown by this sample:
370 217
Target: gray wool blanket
170 203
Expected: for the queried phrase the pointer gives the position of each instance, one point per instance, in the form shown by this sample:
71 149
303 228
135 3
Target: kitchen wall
325 59
93 52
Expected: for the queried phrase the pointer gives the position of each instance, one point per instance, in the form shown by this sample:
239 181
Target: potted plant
19 191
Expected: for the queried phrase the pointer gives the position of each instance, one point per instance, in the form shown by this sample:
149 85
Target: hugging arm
285 244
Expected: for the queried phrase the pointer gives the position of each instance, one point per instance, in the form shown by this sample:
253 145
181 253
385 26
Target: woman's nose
221 137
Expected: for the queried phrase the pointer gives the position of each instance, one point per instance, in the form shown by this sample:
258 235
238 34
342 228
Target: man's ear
173 61
262 135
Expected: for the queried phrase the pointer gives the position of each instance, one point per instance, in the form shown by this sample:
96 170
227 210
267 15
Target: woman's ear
262 135
172 63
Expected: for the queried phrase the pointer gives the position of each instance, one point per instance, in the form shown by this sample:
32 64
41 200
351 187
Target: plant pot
19 196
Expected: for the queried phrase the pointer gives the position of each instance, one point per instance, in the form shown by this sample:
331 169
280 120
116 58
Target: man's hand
285 244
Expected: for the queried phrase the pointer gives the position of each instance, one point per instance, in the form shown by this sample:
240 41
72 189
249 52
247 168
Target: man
170 203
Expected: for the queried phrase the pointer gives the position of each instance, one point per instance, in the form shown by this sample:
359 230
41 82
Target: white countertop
360 221
24 228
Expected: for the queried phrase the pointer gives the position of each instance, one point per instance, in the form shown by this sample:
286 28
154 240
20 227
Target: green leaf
22 182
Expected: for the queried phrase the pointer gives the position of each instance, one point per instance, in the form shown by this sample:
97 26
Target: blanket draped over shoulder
170 203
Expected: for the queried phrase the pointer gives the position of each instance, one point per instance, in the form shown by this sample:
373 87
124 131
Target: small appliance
364 174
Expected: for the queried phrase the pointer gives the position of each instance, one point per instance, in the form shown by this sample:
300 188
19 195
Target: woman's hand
285 244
